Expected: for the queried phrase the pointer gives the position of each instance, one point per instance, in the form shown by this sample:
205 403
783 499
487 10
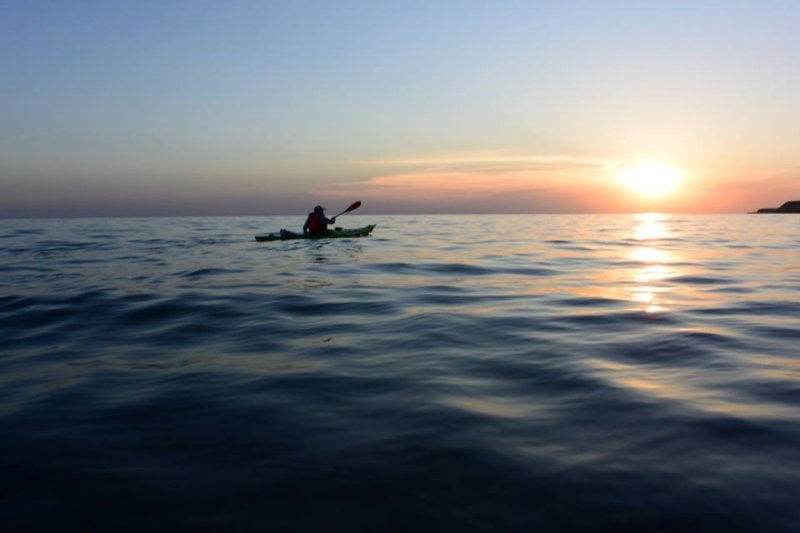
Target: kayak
337 233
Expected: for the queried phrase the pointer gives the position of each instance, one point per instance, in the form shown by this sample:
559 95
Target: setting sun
651 179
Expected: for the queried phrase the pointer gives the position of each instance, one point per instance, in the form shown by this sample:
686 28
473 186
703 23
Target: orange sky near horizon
559 184
256 108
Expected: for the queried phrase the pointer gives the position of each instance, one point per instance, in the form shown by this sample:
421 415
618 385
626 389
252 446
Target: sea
446 373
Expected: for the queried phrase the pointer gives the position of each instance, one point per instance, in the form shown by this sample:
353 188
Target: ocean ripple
623 373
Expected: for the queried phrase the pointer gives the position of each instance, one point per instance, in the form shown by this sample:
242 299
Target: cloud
510 179
461 184
496 161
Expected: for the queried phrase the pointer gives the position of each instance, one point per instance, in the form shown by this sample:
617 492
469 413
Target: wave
452 382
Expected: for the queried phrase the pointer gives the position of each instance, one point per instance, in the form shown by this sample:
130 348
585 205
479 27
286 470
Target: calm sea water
476 373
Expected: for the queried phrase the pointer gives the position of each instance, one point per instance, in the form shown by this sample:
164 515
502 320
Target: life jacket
315 225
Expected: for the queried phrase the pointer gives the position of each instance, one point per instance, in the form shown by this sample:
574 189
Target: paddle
353 207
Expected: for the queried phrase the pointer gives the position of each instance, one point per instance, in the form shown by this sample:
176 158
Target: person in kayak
317 222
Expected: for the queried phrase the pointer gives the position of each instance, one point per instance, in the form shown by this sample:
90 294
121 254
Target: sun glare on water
651 179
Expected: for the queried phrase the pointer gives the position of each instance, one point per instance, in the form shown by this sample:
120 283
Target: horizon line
421 213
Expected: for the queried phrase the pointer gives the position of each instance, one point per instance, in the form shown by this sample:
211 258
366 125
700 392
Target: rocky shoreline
788 207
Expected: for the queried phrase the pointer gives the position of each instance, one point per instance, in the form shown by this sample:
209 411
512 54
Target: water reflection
647 297
655 263
649 226
650 255
317 267
334 252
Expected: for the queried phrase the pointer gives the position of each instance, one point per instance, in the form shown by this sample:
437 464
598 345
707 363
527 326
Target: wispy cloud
517 182
492 161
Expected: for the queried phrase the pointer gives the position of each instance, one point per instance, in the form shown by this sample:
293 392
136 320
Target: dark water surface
482 373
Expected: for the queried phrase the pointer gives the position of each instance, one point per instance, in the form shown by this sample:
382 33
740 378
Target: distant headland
788 207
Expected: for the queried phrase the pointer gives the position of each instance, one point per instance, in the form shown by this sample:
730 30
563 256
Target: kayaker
317 222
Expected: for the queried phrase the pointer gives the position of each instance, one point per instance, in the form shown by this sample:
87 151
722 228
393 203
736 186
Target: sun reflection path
650 226
656 264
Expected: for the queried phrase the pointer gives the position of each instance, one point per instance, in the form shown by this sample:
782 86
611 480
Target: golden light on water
649 299
652 273
650 255
651 179
649 226
654 263
672 386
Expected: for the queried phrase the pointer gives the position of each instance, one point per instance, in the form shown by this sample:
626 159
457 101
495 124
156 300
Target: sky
137 108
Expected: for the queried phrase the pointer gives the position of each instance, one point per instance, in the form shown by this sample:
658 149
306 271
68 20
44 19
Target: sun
652 179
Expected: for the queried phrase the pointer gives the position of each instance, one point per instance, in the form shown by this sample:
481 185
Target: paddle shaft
353 206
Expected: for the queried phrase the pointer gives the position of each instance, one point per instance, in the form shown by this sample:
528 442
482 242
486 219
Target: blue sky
121 108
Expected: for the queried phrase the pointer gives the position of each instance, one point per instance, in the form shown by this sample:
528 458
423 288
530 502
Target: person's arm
305 227
330 220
